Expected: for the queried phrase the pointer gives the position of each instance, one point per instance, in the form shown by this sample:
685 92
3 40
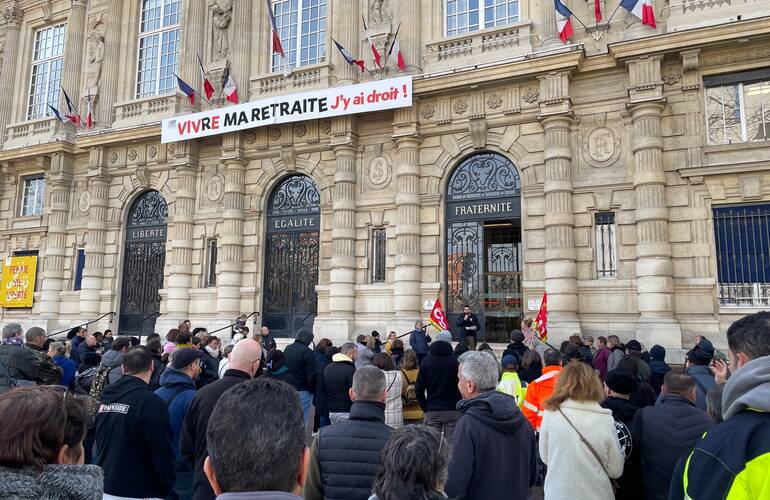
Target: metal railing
255 314
110 314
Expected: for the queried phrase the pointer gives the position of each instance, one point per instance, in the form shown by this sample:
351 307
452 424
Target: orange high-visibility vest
537 392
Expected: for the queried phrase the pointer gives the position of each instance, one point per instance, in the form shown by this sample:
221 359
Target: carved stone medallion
601 147
379 172
214 188
84 202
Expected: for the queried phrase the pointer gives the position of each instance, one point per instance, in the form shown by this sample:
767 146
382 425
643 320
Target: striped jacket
537 392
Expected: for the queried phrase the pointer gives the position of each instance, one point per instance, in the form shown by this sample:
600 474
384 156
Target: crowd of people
97 415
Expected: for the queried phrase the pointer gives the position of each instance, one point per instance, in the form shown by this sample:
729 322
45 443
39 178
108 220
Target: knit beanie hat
620 381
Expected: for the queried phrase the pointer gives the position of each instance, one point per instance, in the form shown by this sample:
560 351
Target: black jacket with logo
192 441
133 441
438 377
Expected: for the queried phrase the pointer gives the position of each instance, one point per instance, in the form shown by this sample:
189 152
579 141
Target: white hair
480 367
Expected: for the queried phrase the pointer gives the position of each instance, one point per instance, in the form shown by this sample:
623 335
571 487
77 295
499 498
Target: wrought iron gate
483 241
291 260
144 258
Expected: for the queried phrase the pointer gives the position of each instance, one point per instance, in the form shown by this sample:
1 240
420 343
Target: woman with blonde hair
617 352
578 440
410 368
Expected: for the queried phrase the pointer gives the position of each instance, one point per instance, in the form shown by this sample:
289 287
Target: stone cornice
48 149
695 38
118 136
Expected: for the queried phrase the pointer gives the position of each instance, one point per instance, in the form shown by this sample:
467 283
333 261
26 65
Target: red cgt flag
437 317
541 320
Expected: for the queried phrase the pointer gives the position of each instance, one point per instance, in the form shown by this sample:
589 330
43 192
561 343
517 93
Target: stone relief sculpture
379 11
222 12
2 56
95 58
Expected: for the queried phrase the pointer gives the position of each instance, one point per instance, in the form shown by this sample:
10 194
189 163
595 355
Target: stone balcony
149 110
479 47
689 14
317 76
34 132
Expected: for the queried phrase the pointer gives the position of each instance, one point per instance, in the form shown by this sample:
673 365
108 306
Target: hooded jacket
661 434
516 349
301 362
438 378
345 457
623 410
338 379
114 361
497 458
731 460
704 382
616 354
55 481
658 367
124 442
177 390
365 355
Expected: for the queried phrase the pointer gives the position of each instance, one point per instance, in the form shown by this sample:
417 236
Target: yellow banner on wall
18 281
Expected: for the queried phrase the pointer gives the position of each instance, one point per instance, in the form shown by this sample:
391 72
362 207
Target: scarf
13 341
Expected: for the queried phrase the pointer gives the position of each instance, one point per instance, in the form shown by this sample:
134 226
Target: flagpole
607 27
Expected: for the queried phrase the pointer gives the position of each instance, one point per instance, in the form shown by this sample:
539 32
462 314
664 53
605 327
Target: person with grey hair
48 372
349 452
498 455
17 364
338 379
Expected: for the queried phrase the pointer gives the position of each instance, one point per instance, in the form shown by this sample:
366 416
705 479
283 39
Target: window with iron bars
742 240
210 274
606 254
379 254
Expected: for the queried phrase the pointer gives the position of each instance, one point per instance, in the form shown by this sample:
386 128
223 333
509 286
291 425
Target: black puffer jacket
19 362
663 433
300 361
345 457
438 377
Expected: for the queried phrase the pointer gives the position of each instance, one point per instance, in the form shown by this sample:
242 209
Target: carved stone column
346 26
179 281
550 31
654 269
108 83
410 36
73 52
58 181
230 265
560 253
193 36
93 272
9 78
343 263
406 286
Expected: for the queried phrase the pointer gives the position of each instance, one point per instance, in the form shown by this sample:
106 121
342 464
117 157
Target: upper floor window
33 196
47 61
158 47
738 107
302 27
463 16
742 237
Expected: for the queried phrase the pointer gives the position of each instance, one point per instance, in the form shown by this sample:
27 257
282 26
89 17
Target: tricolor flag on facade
540 325
208 88
598 10
437 317
229 87
72 112
641 9
349 57
186 89
563 20
57 114
375 52
90 114
395 51
277 47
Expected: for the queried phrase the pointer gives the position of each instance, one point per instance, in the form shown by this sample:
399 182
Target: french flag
277 47
208 88
563 21
186 89
349 57
395 51
642 9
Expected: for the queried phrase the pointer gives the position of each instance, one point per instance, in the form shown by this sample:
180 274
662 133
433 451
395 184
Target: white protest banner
362 98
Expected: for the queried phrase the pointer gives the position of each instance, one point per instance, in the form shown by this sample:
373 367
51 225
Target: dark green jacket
48 372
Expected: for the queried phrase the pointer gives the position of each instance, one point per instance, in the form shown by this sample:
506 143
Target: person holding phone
469 326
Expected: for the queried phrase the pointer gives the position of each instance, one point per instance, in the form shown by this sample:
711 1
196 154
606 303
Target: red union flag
541 320
437 317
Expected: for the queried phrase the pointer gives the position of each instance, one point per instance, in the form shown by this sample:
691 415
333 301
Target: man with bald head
243 365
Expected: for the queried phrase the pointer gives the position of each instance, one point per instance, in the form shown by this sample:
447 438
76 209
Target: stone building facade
614 172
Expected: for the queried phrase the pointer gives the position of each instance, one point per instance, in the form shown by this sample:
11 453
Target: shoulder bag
613 482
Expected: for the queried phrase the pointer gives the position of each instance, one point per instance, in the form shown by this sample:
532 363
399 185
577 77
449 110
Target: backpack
410 392
101 380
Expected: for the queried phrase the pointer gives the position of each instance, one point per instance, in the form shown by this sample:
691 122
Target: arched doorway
144 257
483 242
291 256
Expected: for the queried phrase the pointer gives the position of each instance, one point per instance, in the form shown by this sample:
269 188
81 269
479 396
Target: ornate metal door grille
144 258
484 243
291 256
